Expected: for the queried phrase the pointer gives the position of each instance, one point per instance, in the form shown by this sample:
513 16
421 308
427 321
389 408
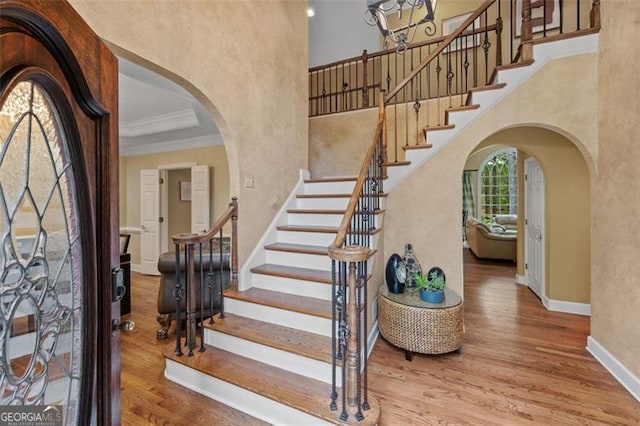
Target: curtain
467 201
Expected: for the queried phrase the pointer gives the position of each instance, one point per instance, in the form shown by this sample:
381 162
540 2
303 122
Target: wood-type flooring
520 365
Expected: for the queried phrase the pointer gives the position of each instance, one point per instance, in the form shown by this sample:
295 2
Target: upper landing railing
493 39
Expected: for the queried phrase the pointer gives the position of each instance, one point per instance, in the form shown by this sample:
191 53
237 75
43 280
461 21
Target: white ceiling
157 115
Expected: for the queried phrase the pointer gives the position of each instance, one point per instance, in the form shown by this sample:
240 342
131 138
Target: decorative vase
429 296
411 264
394 273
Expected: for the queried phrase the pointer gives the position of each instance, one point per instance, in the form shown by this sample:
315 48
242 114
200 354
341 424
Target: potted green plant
431 286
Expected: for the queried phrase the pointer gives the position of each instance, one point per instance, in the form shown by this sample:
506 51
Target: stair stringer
513 77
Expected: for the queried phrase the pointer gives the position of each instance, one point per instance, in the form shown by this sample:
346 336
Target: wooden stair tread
320 229
296 391
438 128
495 86
462 108
467 107
384 194
319 211
284 271
332 179
287 339
304 305
298 248
419 146
513 65
396 163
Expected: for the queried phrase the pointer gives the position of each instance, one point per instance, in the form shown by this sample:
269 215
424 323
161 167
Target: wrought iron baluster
177 294
334 356
202 349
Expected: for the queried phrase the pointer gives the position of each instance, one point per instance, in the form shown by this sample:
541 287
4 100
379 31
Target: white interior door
534 226
200 198
149 221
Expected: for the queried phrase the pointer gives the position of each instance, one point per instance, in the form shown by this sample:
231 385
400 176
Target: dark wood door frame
49 38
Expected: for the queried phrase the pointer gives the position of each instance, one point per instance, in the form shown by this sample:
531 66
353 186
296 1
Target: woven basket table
409 323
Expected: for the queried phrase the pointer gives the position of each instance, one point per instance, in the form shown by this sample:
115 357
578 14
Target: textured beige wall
337 142
616 246
253 81
431 219
214 157
179 220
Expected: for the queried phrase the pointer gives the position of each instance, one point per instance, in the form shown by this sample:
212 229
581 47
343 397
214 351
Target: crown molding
160 123
168 146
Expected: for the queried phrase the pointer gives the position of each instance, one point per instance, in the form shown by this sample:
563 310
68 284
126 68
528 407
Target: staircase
270 355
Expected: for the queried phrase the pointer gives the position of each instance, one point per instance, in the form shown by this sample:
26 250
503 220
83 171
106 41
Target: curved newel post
595 14
191 299
234 241
350 330
527 32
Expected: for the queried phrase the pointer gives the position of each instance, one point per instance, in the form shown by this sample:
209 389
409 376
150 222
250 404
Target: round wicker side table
409 323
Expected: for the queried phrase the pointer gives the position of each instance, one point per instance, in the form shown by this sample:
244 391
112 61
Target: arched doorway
567 213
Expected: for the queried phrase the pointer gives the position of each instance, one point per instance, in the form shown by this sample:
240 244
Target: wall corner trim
627 379
567 307
521 279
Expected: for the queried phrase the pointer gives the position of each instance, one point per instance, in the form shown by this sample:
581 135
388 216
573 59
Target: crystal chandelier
420 12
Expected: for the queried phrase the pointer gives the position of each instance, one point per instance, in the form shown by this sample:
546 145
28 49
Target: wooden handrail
447 41
391 51
362 175
204 237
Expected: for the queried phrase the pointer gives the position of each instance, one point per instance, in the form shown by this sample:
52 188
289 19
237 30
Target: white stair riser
296 320
299 260
239 398
323 203
298 364
329 187
314 219
311 238
293 286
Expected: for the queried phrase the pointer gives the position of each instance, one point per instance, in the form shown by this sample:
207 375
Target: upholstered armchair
488 244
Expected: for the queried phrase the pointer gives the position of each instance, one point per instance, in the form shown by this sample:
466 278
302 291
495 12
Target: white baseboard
567 307
135 267
521 279
373 337
613 366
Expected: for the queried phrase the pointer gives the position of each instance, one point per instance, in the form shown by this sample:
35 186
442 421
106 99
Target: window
498 185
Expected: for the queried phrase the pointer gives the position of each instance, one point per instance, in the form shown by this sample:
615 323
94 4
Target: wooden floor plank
520 365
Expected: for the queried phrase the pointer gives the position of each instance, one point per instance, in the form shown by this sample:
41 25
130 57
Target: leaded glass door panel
58 214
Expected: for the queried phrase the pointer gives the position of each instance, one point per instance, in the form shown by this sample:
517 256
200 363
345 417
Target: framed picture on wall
538 17
185 191
449 25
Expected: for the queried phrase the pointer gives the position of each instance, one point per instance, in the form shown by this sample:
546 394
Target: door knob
127 325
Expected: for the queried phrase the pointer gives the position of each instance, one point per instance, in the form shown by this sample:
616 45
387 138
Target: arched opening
166 133
566 234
